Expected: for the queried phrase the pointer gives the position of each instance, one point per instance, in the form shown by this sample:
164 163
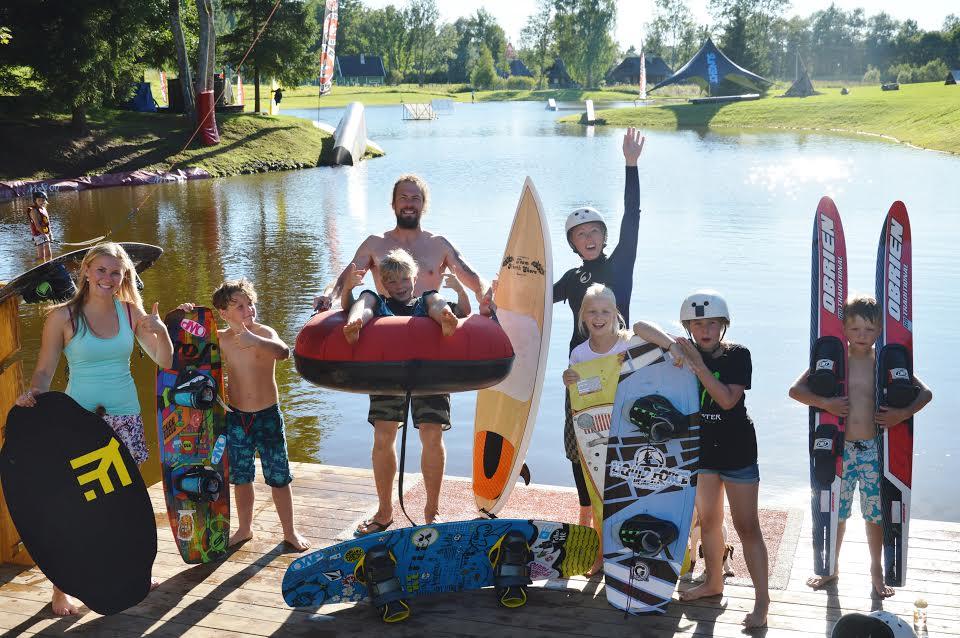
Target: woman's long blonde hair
599 292
128 288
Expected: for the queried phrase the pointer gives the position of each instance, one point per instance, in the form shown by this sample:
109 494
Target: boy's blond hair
399 263
863 306
226 291
600 293
417 181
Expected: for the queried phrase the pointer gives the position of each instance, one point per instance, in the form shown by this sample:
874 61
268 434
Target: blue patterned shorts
252 432
861 464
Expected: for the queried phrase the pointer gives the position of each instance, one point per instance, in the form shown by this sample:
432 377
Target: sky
633 14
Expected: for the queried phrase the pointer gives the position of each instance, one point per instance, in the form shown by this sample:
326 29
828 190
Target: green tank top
100 369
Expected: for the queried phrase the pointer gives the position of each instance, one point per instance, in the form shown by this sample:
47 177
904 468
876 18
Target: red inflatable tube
399 354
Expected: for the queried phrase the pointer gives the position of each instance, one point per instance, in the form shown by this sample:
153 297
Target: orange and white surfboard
506 413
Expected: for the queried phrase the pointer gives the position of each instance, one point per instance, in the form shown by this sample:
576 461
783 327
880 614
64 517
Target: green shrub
872 76
524 83
932 71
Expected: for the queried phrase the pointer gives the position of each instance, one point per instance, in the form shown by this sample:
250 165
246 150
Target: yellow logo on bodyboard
106 457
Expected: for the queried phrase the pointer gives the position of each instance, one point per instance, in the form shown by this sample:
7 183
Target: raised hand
151 323
450 281
354 277
632 146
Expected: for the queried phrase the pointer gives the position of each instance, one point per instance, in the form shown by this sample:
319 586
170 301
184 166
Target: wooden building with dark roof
359 70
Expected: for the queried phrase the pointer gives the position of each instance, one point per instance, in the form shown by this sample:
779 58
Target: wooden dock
241 595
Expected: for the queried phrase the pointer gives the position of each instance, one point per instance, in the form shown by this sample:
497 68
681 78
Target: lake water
731 211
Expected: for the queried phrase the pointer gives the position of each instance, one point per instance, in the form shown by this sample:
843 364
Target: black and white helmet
879 624
704 304
584 215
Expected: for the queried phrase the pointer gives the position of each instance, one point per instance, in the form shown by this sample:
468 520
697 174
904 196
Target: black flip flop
372 526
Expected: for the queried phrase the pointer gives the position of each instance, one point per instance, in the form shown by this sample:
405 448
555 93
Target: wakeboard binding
510 558
378 571
648 536
202 484
655 417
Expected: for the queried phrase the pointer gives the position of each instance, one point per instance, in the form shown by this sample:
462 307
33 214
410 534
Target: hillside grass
926 115
127 141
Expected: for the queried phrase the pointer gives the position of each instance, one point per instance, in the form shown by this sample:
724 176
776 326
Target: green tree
81 55
422 16
284 48
478 29
484 73
584 37
674 27
537 38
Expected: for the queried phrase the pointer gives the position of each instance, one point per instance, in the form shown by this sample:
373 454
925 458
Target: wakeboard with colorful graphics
430 559
79 503
193 437
827 378
591 402
895 387
653 454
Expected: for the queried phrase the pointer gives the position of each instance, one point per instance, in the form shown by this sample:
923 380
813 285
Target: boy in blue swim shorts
861 450
250 351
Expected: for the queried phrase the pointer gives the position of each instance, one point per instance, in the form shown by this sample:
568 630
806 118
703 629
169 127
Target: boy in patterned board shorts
250 351
861 450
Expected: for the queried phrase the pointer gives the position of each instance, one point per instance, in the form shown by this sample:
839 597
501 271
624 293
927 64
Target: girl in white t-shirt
607 335
604 326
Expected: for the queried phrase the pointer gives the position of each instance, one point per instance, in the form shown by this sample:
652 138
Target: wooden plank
241 595
9 328
11 549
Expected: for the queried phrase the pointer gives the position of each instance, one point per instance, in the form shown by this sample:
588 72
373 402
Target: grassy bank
924 115
126 141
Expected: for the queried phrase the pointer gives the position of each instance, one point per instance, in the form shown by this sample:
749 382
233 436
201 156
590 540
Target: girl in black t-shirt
728 444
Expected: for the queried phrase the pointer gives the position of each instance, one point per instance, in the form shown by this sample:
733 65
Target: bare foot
351 331
758 617
432 518
755 620
880 589
706 590
448 321
240 536
63 605
819 582
596 568
297 542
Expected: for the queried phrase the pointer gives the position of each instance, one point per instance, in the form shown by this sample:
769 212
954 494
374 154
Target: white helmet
704 304
584 215
879 624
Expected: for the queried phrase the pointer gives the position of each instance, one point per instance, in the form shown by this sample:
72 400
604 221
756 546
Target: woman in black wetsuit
587 236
